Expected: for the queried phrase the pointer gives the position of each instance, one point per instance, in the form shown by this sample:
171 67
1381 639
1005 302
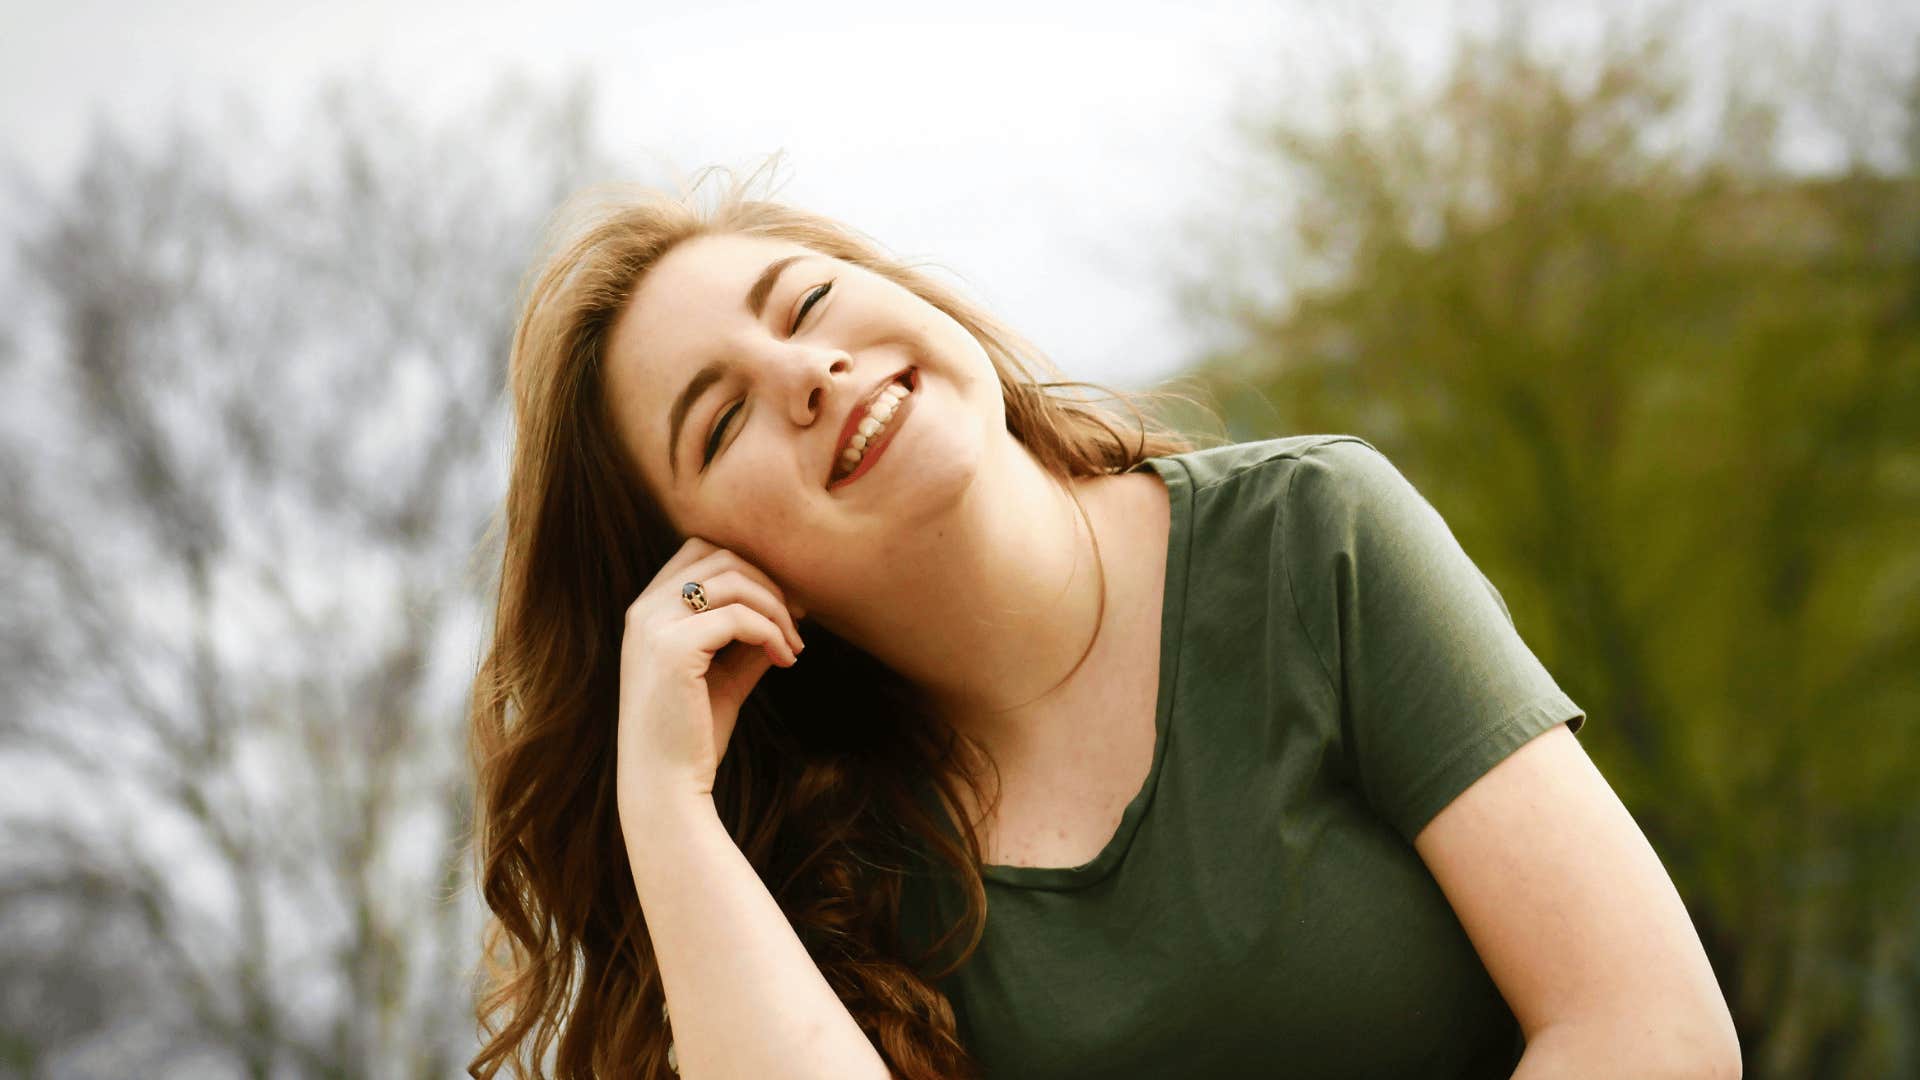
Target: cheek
755 515
967 365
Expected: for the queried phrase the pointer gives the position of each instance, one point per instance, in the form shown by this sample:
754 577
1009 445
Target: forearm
746 998
1597 1050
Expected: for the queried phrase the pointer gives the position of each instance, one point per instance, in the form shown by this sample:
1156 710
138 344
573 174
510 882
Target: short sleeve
1434 682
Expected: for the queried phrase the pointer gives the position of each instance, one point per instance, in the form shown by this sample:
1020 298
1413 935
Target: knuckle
753 573
636 618
749 588
652 638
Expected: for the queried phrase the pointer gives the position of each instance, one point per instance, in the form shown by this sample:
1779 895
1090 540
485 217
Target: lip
859 413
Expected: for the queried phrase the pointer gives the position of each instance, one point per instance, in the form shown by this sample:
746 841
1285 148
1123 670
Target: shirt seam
1293 595
1553 703
1293 453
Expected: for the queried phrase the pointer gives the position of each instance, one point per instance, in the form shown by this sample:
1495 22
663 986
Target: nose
816 384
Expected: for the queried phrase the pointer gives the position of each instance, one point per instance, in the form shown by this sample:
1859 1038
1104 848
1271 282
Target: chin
928 478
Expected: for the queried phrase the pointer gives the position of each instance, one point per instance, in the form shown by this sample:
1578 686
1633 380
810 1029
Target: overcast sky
1046 151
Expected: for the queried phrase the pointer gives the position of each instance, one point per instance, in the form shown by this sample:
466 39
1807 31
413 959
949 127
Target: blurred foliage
255 430
1666 389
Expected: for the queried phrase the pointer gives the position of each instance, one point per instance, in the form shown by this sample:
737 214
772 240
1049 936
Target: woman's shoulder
1263 459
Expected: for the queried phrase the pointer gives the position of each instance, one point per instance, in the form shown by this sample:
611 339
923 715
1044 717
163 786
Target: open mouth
871 427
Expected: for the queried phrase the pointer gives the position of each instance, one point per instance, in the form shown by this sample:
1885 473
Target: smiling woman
771 388
1109 756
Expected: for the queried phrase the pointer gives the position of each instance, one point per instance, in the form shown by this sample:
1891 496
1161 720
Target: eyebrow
756 305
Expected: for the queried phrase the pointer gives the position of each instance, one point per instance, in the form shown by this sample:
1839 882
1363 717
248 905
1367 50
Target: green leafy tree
1666 389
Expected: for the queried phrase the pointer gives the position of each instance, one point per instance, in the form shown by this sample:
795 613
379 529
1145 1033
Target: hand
684 674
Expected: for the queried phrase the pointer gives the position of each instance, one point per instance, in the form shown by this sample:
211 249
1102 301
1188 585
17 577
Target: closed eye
713 440
813 298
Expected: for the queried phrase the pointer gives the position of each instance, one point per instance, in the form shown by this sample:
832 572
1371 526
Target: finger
766 581
690 552
724 559
728 559
674 572
734 587
718 627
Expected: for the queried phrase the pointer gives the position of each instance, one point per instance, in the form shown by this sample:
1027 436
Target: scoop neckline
1172 617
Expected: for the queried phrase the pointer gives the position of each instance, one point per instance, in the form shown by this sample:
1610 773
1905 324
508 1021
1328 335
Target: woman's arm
1576 920
745 997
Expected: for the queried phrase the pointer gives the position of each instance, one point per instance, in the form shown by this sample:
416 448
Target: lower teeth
848 470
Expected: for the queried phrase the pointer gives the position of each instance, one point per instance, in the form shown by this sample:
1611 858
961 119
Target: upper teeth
870 424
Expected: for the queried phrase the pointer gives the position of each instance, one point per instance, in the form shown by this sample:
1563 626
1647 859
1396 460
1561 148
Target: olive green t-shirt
1334 670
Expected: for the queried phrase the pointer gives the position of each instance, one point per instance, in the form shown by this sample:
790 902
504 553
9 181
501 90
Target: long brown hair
817 788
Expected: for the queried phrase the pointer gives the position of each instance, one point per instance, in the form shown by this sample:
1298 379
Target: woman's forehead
715 266
698 290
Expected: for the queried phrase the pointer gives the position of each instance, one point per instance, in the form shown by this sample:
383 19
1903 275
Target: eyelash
818 294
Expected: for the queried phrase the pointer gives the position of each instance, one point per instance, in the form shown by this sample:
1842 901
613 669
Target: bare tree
255 434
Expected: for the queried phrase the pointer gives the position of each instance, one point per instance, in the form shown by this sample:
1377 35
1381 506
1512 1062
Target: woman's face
754 351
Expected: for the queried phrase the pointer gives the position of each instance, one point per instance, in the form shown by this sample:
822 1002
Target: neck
992 610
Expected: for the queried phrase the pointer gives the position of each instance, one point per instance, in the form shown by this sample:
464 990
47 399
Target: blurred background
1631 292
